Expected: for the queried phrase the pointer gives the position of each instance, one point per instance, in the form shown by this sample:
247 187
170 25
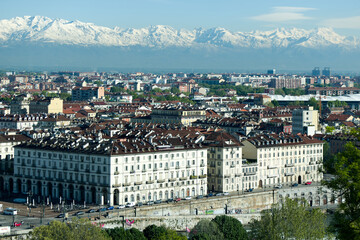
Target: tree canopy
206 229
290 219
77 229
346 185
121 233
154 232
231 228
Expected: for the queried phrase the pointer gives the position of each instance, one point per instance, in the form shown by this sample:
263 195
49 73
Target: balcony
155 169
307 172
289 174
126 184
177 167
116 173
183 178
237 174
188 166
202 176
202 165
144 170
232 166
138 183
166 168
311 162
160 180
132 171
172 179
193 177
116 185
289 165
226 176
271 167
149 182
272 176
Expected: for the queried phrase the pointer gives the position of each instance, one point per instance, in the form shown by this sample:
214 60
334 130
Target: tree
154 232
230 227
313 102
77 229
275 103
175 90
346 184
121 233
206 229
289 219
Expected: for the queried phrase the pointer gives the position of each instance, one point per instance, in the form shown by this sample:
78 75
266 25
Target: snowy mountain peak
59 31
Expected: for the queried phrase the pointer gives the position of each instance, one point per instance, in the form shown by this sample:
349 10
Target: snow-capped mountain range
39 29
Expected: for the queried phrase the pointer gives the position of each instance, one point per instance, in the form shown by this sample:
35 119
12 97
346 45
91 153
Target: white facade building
284 159
305 121
110 172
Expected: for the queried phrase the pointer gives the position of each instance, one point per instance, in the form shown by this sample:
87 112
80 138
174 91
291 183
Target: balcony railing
126 184
232 166
188 166
144 170
249 173
172 179
161 180
202 165
155 169
183 178
202 176
116 185
116 173
289 165
289 174
237 174
166 168
149 182
138 183
132 171
177 167
193 177
271 167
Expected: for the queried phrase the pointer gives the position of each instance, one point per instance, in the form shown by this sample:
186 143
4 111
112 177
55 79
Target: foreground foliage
290 219
346 185
78 229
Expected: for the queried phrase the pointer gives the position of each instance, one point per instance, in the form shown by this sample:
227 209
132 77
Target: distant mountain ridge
39 29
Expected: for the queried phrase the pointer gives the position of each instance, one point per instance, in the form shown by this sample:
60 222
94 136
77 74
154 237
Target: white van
10 211
130 204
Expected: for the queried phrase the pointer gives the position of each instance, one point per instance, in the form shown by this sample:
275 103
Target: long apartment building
283 159
111 172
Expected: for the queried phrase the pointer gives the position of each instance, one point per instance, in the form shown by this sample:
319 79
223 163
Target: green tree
154 232
121 233
206 229
231 228
346 184
77 229
98 83
289 219
175 90
313 102
65 96
275 103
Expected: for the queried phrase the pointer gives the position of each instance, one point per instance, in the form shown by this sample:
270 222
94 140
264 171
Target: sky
235 15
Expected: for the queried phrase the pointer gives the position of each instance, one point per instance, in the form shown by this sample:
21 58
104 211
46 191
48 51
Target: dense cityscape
140 146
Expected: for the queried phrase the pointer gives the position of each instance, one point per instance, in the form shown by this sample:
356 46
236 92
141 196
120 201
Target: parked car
150 203
139 204
91 211
158 202
210 194
218 194
308 183
200 197
61 215
18 224
110 208
169 200
101 210
249 190
295 185
225 193
79 213
177 200
130 204
188 198
278 186
120 207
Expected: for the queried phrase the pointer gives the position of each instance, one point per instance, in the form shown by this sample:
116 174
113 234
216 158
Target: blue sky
235 15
